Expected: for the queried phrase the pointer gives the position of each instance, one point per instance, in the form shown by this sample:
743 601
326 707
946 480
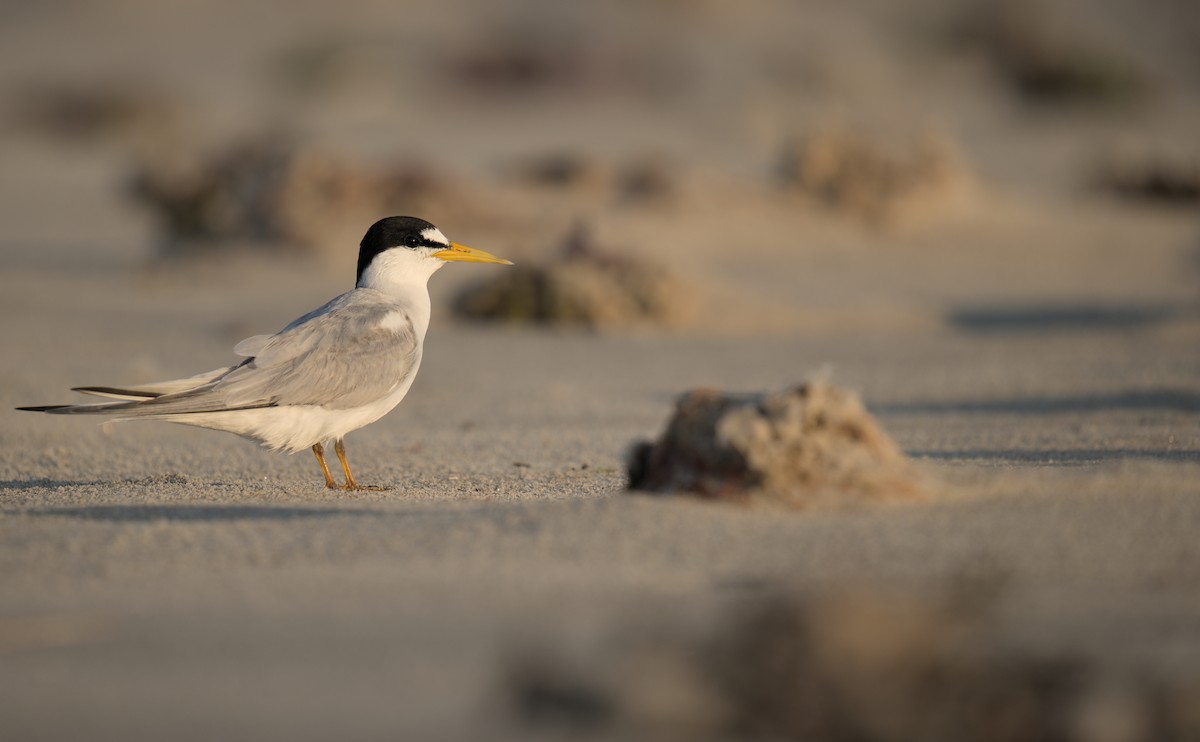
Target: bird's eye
412 241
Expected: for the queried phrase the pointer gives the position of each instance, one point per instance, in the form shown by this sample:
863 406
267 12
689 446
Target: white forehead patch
433 234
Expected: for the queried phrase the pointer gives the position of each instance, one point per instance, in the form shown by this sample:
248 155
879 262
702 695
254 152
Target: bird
329 372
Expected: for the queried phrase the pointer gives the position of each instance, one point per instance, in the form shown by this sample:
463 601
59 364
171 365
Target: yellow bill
468 255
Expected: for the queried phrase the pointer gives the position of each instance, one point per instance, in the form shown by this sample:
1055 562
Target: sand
1033 348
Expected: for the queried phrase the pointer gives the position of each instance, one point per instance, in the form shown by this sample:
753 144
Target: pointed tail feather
113 392
72 409
190 402
158 388
132 396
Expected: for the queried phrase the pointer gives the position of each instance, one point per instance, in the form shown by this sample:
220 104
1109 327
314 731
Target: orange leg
339 447
319 452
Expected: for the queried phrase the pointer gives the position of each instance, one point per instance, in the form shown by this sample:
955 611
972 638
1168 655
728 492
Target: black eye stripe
413 241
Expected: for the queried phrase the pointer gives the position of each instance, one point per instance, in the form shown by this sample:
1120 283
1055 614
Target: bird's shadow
194 513
221 512
47 483
17 485
167 512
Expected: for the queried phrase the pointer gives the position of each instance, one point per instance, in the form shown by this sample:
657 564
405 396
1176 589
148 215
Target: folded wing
346 354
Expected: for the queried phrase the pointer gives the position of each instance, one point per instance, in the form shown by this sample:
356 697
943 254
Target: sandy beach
1029 339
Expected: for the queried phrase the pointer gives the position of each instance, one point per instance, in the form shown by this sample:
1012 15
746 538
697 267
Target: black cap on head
393 231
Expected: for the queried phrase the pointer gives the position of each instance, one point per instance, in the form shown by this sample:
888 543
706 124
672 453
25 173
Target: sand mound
270 193
877 185
814 445
581 286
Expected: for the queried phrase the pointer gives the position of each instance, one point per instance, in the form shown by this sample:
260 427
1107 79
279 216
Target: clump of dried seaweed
811 446
584 286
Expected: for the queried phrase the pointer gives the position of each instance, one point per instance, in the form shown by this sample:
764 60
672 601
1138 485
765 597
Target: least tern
331 371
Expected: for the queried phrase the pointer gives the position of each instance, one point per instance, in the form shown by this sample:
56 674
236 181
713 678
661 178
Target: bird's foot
356 487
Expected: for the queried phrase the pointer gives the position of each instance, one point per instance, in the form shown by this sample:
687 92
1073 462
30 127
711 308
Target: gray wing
344 355
348 353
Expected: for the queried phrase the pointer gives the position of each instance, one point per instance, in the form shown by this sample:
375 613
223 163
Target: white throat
403 275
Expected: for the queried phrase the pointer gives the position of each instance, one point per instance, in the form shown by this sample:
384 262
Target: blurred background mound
643 180
1051 56
881 186
850 663
1165 178
582 286
267 192
120 111
811 446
